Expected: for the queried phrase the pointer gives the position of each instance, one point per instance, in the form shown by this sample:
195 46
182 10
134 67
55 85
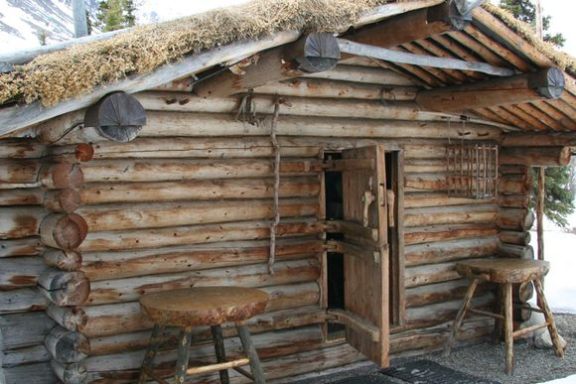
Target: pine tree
559 184
116 14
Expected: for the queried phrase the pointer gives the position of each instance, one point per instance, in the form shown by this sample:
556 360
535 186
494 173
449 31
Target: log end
64 231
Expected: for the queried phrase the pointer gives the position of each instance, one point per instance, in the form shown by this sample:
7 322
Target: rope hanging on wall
276 220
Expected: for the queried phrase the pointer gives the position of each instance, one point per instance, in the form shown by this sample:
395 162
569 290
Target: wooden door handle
367 200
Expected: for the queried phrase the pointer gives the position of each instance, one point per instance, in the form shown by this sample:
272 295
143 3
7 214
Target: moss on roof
62 75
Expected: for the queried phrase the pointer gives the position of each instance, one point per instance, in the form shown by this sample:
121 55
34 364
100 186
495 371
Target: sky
562 12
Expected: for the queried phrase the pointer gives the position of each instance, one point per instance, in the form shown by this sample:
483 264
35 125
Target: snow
566 380
560 251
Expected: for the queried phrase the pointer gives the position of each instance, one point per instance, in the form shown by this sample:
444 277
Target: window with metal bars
472 170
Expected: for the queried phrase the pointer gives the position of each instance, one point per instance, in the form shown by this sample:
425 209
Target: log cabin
341 156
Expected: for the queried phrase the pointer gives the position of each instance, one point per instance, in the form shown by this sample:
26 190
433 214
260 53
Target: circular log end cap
84 152
321 53
118 117
70 231
69 200
554 84
67 175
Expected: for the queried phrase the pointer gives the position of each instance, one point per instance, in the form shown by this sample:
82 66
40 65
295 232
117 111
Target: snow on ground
566 380
560 250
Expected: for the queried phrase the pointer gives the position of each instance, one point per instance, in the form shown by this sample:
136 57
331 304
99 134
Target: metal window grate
472 170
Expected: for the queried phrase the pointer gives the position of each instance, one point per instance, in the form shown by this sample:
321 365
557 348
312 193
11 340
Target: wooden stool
213 306
506 272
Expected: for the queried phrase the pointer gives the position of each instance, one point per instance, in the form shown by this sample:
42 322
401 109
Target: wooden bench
209 306
506 272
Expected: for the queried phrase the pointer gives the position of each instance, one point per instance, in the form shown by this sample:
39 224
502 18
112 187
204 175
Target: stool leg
220 351
543 304
460 317
499 323
250 350
508 328
183 355
154 344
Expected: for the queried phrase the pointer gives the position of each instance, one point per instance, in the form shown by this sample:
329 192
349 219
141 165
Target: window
472 170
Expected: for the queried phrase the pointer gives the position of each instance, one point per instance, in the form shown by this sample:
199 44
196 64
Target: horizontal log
203 147
425 182
429 234
114 319
74 373
130 289
70 318
430 274
63 231
273 321
363 75
66 346
20 272
515 219
21 149
18 223
436 293
431 315
525 252
178 170
22 356
107 265
423 200
425 165
132 216
529 87
62 200
31 246
338 89
536 156
37 373
22 300
23 196
424 151
514 201
419 217
197 234
514 237
514 169
433 253
64 288
535 139
268 345
104 193
18 172
170 124
515 185
24 330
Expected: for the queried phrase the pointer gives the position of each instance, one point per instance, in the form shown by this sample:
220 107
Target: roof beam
544 84
353 48
313 53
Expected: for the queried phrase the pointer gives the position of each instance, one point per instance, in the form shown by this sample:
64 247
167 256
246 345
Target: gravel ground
486 360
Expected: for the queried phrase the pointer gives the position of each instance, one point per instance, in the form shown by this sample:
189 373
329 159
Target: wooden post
540 211
250 350
509 328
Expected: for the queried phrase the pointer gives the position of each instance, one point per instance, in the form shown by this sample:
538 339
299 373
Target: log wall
189 203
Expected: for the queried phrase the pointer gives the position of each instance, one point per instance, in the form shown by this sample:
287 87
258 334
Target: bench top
503 270
191 307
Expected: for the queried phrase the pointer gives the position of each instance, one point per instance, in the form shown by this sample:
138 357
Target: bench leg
509 328
148 363
460 317
543 304
250 350
183 355
220 351
499 323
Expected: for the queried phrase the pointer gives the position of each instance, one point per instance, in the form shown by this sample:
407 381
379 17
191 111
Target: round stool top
203 306
504 270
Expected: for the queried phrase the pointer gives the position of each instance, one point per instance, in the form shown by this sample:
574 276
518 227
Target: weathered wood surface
27 355
64 288
17 223
536 139
117 265
23 330
22 196
122 217
439 252
114 319
20 272
286 272
536 156
430 274
30 246
65 346
515 219
420 235
197 234
37 373
513 237
418 217
63 231
22 300
525 252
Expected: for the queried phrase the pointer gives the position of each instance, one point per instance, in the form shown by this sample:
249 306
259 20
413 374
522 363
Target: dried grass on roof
561 59
63 75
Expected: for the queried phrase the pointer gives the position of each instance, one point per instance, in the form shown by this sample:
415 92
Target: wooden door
365 250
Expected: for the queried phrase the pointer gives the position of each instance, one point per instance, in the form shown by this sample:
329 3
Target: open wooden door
365 249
